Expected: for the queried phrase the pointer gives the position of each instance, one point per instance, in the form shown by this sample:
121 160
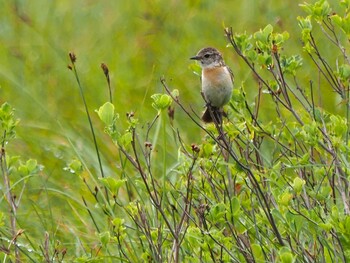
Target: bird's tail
211 114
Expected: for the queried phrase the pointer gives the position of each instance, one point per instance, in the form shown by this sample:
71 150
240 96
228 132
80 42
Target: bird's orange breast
216 76
217 85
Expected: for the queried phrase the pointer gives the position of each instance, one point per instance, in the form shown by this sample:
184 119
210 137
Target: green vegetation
111 163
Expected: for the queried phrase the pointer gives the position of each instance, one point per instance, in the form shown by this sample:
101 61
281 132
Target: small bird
217 83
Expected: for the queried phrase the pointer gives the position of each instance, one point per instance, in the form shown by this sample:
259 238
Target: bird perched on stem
217 83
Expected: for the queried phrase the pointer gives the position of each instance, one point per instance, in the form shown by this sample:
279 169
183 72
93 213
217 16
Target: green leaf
106 113
207 149
279 39
104 238
31 165
328 255
268 30
117 222
347 224
252 55
161 101
7 121
112 184
235 206
344 72
319 10
23 171
217 212
345 4
338 125
125 139
306 26
243 42
326 226
262 38
305 23
175 93
257 252
74 167
285 198
338 20
291 64
287 257
298 184
265 59
318 115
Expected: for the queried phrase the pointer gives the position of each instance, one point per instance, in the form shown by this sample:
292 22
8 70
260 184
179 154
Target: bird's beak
195 58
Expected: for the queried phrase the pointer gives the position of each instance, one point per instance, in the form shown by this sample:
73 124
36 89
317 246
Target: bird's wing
231 74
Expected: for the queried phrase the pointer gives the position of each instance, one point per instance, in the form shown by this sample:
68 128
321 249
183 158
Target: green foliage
268 185
112 184
161 101
319 10
343 23
74 166
16 176
8 122
106 113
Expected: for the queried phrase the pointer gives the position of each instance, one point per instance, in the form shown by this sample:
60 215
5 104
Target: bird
217 83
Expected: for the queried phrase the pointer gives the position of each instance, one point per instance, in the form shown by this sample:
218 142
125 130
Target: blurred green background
140 41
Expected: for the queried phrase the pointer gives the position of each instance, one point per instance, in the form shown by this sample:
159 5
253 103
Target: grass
165 195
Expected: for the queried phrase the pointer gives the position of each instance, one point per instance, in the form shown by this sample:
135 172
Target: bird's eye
206 55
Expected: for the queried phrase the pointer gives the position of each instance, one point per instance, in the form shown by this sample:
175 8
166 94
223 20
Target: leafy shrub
257 189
